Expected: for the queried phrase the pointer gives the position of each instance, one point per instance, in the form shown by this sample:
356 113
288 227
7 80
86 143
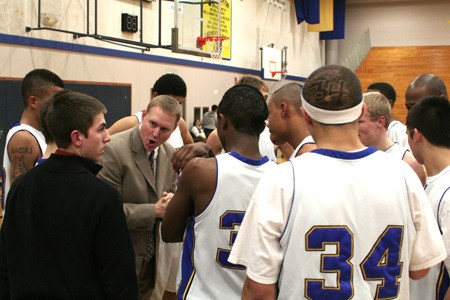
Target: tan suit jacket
126 167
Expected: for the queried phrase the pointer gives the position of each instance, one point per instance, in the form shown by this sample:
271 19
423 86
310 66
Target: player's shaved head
333 87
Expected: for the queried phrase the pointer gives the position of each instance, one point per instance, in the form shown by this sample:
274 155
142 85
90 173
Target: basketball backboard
272 67
200 18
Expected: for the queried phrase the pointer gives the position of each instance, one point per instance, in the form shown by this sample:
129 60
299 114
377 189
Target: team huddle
124 213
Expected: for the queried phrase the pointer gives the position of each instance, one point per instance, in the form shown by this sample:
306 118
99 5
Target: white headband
333 116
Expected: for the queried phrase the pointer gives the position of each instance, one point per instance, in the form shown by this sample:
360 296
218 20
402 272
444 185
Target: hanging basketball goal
214 44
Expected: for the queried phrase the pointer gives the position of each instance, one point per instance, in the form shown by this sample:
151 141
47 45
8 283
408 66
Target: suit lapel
141 158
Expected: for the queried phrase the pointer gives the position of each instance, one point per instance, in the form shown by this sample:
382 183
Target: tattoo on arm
22 150
18 162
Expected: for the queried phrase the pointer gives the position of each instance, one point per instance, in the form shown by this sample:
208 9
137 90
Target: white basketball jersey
6 184
266 147
327 253
307 140
205 272
436 282
397 151
397 133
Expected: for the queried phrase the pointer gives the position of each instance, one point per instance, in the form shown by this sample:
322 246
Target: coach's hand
183 155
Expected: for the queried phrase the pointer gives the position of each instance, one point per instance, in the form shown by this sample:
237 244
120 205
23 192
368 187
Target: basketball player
212 197
321 225
25 143
286 123
428 124
372 128
422 86
266 146
396 130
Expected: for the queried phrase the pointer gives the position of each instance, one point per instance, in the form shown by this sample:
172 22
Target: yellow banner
326 17
210 16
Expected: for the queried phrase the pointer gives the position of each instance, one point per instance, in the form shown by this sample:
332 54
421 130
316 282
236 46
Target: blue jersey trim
249 161
346 155
41 160
187 261
15 124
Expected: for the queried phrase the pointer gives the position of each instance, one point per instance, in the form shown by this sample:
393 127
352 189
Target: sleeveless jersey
321 226
266 146
205 272
306 140
397 133
16 127
436 282
397 151
175 139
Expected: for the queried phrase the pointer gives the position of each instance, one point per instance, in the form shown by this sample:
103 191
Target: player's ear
32 101
381 121
223 121
417 135
305 115
284 109
77 138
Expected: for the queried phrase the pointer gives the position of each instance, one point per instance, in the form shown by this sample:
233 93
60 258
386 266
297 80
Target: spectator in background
209 121
197 132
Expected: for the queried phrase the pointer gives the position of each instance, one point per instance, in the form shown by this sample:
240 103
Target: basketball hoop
278 72
214 44
283 74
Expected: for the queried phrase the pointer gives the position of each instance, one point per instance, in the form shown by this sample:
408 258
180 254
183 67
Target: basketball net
214 45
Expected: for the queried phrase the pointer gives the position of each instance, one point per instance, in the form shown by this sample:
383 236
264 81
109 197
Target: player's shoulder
23 141
199 169
200 165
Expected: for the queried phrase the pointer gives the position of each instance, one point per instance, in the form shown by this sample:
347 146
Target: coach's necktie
151 245
151 161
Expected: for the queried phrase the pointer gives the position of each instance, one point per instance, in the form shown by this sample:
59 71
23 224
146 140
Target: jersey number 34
381 264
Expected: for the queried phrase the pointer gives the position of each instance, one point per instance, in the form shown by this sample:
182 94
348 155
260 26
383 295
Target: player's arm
258 291
185 135
181 206
123 124
23 151
418 168
214 143
194 193
416 275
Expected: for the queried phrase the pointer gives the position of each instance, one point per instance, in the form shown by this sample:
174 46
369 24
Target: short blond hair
378 105
168 104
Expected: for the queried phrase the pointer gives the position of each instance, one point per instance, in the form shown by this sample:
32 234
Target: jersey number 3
381 264
229 220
